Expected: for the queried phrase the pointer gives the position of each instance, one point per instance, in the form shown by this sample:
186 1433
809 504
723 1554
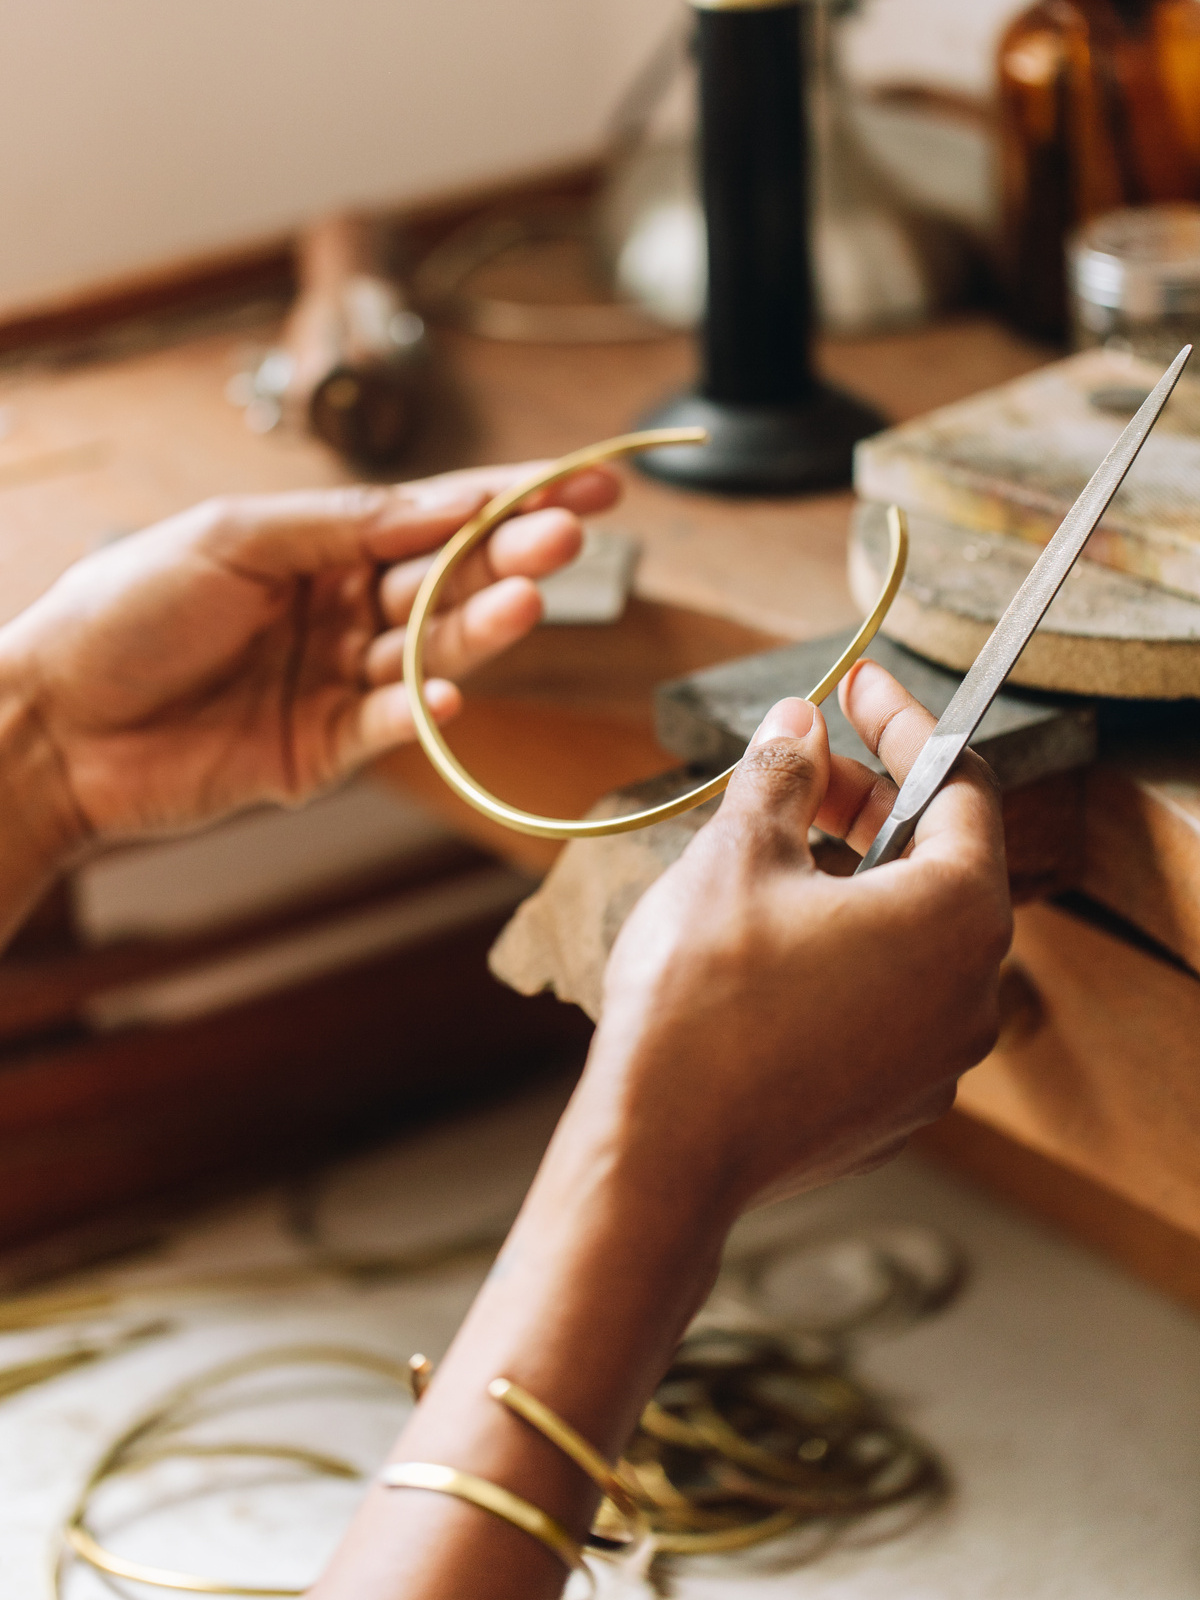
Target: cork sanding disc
1106 633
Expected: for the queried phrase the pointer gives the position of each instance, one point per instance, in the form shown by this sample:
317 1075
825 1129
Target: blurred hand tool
353 360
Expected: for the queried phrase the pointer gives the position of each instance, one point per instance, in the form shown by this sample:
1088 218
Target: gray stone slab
708 717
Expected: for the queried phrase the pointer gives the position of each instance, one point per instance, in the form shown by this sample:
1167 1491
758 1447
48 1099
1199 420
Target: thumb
780 782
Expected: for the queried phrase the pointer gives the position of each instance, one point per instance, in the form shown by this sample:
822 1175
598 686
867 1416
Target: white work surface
1064 1398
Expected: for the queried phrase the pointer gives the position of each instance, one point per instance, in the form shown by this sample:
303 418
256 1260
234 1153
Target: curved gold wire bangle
473 533
135 1448
83 1542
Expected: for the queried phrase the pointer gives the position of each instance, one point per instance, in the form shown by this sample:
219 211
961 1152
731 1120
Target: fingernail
866 669
441 697
790 719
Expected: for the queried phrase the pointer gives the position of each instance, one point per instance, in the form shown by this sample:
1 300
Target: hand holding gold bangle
473 533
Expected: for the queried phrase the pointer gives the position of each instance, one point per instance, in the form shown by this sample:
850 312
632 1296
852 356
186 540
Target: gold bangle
154 1437
489 1497
585 1456
420 1375
473 533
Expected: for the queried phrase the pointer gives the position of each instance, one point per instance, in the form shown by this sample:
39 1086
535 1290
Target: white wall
948 43
132 131
136 131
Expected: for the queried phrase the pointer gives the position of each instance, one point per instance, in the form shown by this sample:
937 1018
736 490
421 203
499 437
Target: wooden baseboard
261 268
250 272
1166 1257
94 1123
123 1229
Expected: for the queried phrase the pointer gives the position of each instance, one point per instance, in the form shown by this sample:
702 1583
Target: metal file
1012 633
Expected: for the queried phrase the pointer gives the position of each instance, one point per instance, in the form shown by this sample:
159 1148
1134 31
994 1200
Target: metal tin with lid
1135 279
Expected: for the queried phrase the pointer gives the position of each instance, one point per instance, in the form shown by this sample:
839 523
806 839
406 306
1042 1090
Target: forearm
39 830
613 1253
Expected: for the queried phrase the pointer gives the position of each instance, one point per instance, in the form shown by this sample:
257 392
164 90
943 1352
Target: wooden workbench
1090 1108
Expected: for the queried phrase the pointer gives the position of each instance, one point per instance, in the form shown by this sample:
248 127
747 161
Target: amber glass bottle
1099 107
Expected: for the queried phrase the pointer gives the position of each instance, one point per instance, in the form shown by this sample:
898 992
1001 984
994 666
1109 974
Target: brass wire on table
52 1308
473 533
155 1437
751 1435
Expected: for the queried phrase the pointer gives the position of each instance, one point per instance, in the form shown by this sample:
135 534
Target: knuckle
931 1105
981 1039
878 796
972 1017
219 524
988 914
221 510
998 935
887 720
971 905
950 892
941 1102
358 502
779 760
865 1165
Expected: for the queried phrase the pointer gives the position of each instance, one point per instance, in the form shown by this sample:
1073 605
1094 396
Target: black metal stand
775 427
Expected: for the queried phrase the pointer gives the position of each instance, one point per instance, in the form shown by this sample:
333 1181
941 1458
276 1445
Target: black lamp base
761 449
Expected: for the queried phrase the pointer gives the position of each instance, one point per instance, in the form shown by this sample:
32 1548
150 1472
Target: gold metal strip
473 533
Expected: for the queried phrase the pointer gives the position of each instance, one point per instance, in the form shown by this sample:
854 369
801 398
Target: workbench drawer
1098 1065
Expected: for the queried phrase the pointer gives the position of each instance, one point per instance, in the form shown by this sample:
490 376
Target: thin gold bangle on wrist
489 1497
619 1503
472 533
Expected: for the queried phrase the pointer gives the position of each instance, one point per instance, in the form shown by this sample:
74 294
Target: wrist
584 1308
613 1253
646 1071
654 1150
40 826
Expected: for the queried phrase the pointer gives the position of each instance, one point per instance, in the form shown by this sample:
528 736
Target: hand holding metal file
1012 633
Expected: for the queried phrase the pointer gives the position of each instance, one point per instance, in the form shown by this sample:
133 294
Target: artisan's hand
784 1027
250 649
764 1025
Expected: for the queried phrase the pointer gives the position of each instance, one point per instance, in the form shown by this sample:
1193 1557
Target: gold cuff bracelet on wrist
488 1497
473 533
618 1503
